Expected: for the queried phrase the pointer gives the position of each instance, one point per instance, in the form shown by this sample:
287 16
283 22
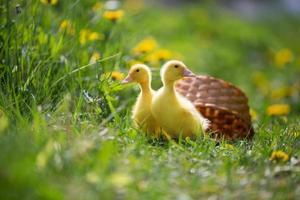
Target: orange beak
128 79
187 73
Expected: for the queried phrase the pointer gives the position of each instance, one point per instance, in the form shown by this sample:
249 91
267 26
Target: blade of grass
83 67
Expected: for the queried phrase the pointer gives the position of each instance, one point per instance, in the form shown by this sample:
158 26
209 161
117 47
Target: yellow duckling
176 114
141 112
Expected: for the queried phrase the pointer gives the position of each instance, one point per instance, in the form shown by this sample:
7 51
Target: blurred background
253 44
65 119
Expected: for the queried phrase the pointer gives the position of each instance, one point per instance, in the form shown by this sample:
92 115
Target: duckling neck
145 88
169 86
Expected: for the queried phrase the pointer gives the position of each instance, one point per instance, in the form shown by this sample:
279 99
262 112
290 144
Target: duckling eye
176 66
137 70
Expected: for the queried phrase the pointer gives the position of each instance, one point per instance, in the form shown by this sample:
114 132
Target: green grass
65 127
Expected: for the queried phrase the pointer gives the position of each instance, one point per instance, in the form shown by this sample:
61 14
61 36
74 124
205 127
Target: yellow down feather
175 114
141 112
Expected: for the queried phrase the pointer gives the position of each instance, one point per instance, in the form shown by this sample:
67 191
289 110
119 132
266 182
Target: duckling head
174 70
138 73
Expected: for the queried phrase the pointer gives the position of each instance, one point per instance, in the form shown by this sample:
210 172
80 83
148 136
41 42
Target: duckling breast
175 115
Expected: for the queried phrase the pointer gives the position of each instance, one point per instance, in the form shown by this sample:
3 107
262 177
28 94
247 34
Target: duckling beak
128 79
187 73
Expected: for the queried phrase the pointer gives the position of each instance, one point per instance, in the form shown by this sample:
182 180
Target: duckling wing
189 106
222 103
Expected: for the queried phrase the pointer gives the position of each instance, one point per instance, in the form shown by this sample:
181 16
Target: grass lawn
65 120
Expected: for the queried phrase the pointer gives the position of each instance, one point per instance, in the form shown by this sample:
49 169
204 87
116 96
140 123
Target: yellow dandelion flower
97 6
113 15
151 58
279 156
95 57
283 57
83 34
261 82
115 75
64 24
86 35
159 55
133 62
50 2
145 46
295 133
120 179
95 36
278 109
229 146
281 92
67 26
253 115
